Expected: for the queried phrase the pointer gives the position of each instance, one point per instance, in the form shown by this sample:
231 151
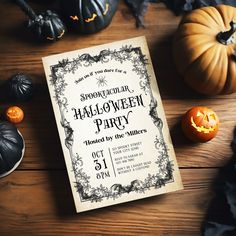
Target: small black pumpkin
88 16
46 26
20 87
12 148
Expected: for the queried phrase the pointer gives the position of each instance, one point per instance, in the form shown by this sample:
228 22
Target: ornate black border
139 62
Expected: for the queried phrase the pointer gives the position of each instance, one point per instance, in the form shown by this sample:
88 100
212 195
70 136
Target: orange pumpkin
200 124
14 114
204 47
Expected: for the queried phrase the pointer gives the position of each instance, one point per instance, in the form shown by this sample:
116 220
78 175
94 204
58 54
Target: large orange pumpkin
203 50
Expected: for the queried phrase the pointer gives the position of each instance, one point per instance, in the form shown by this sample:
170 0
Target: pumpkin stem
227 37
26 9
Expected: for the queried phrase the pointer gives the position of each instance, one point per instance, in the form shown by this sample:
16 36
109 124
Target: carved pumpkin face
14 114
200 124
88 16
47 26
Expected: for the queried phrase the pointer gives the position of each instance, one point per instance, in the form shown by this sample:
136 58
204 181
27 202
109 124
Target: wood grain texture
36 199
40 203
39 136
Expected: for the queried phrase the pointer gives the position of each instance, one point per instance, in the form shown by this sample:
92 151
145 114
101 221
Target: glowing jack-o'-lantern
14 114
200 124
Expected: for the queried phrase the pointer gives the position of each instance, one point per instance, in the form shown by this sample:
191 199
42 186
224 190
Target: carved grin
201 128
106 10
74 17
62 33
51 38
91 19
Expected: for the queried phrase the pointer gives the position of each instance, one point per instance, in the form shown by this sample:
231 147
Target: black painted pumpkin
12 148
88 16
20 87
46 26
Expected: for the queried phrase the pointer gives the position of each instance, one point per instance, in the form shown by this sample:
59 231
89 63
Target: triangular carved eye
213 116
199 114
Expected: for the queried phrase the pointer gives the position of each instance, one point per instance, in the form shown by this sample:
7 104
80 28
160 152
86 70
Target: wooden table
36 199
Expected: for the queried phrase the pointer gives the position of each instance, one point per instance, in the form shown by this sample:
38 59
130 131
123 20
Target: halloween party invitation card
111 124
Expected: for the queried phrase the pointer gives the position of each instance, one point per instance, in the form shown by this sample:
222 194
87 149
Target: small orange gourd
204 47
14 114
200 124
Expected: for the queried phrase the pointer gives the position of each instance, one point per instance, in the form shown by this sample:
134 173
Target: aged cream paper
111 123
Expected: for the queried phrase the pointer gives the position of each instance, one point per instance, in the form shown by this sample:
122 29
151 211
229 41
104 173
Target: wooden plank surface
215 153
36 199
40 203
